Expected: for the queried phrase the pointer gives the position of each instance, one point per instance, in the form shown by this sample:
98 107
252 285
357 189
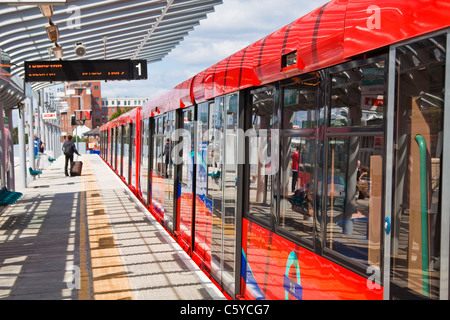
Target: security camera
80 49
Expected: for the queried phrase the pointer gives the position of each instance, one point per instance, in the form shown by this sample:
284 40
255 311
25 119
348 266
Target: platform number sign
139 69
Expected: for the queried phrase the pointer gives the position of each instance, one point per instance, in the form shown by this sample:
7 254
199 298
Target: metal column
2 147
10 176
22 152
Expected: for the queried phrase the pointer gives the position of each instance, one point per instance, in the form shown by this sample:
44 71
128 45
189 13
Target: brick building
81 96
89 95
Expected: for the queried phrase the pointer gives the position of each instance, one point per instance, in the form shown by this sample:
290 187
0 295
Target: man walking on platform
69 149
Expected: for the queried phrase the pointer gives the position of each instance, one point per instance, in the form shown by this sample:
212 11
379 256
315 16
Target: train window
144 170
215 147
299 105
113 147
126 153
357 97
167 154
297 186
416 229
119 150
260 204
354 188
168 145
188 139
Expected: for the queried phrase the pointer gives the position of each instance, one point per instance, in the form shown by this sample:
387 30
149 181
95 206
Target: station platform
89 238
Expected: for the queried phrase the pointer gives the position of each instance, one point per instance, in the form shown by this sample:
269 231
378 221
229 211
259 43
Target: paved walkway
89 238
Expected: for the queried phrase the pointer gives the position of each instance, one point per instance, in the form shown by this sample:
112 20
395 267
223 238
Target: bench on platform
8 197
34 173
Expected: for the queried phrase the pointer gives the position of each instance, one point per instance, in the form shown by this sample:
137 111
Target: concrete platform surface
89 238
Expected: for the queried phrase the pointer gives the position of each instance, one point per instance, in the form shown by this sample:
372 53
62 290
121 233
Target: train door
298 160
126 153
202 246
108 145
222 189
133 155
352 178
113 147
417 227
183 152
145 160
157 174
169 172
119 150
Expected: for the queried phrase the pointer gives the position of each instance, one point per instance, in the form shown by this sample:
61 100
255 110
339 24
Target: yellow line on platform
84 293
98 250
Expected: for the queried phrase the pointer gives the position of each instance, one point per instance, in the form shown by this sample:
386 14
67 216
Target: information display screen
85 70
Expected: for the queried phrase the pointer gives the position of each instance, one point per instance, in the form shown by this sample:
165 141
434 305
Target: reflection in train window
260 177
357 97
299 105
144 170
416 215
354 190
297 186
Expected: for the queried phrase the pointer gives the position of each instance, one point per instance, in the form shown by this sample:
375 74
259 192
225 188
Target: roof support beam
160 18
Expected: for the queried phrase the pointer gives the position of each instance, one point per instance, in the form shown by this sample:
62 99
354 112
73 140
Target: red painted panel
184 208
374 24
235 73
198 91
269 258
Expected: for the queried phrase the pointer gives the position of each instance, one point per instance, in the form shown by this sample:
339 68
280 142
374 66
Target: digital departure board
85 70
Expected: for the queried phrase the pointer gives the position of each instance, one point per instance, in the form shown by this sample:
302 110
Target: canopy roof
117 29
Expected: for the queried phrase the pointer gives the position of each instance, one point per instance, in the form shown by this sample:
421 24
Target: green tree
119 112
16 136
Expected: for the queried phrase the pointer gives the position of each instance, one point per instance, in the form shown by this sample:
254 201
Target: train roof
334 33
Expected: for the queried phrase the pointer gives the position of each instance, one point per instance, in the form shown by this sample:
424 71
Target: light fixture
46 10
57 51
52 32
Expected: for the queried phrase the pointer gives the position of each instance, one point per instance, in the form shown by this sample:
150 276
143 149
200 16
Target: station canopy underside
117 29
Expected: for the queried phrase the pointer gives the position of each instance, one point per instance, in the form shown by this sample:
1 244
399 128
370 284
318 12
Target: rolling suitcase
76 169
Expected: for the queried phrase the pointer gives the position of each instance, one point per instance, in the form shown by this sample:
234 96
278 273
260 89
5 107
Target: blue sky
234 25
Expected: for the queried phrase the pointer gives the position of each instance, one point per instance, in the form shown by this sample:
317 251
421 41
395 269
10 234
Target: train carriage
310 164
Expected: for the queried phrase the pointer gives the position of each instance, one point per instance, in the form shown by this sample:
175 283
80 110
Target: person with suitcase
69 149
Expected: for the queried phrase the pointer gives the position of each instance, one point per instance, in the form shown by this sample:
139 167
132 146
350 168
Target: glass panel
202 209
157 184
185 198
417 216
230 189
357 97
119 150
169 190
354 189
299 105
215 175
187 141
297 186
113 147
126 153
260 181
145 150
133 154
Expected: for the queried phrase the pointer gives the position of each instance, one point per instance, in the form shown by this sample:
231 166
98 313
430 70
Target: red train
233 161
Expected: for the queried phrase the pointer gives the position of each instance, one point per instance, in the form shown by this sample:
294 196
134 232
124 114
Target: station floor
89 238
